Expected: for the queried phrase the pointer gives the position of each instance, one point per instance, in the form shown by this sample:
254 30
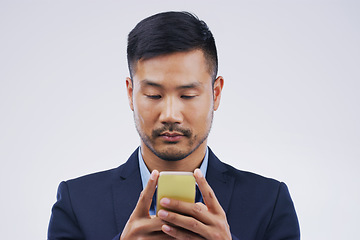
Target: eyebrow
147 82
189 86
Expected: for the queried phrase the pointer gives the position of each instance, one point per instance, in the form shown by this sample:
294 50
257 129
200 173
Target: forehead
175 69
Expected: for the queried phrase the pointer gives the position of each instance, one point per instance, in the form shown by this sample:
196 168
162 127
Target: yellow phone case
176 185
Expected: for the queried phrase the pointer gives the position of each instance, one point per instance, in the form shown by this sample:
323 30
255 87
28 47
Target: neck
188 164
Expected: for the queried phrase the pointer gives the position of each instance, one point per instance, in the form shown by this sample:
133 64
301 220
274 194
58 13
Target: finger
186 222
155 236
141 227
143 205
196 210
158 235
148 226
207 193
179 233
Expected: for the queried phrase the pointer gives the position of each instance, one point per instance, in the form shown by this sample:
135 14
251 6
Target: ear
218 86
129 89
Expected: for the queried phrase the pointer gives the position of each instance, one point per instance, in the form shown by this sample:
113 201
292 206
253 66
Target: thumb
143 205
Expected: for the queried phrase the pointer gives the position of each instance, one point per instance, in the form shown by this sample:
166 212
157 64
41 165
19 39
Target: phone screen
176 185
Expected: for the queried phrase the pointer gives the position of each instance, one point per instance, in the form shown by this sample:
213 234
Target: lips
171 136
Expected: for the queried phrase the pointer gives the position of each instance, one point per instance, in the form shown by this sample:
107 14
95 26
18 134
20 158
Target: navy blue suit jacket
97 206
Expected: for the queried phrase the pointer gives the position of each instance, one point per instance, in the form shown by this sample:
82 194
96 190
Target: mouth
171 136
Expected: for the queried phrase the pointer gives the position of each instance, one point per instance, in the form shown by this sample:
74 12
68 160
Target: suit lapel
126 190
220 181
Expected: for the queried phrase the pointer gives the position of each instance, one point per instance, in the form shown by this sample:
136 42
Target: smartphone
176 185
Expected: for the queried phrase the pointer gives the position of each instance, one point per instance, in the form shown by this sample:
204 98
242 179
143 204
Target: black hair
171 32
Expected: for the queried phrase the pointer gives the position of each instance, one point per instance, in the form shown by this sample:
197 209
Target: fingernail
152 176
163 213
164 201
166 228
199 173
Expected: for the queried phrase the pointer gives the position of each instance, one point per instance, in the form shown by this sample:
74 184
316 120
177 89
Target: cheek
144 112
200 112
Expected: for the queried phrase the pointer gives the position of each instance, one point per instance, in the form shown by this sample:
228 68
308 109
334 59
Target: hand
140 224
195 220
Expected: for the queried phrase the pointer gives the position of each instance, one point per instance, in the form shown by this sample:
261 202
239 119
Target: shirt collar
145 173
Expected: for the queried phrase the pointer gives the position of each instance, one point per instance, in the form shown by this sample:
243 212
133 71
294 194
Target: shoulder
102 178
241 177
96 178
90 186
255 187
250 178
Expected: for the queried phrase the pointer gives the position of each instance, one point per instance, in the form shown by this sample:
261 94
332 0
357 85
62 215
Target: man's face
173 102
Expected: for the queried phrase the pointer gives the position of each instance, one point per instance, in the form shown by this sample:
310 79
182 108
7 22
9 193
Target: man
173 91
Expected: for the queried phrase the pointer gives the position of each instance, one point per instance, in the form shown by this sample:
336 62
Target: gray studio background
289 110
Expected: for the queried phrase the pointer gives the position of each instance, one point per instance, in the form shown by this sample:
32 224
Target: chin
174 152
171 155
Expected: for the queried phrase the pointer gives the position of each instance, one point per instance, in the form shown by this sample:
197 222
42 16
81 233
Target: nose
171 111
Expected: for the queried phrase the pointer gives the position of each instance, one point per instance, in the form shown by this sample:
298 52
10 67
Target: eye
187 96
153 96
